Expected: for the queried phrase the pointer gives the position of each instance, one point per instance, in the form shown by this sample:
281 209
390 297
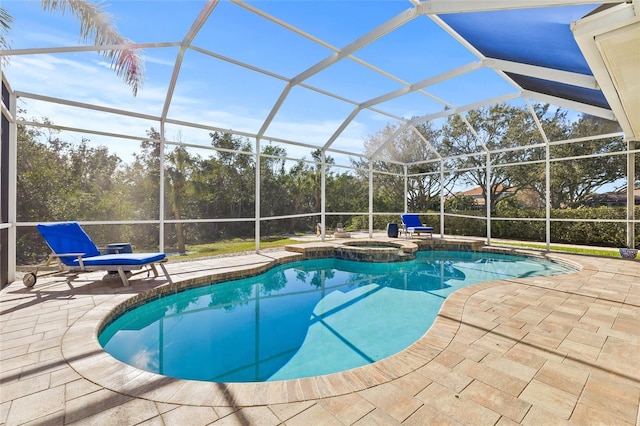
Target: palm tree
95 23
5 25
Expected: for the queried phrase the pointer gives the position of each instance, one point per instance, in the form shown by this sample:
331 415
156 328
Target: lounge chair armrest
116 248
57 256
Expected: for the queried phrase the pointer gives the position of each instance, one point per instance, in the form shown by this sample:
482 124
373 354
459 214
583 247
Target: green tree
460 203
140 182
225 185
38 178
408 147
236 174
495 128
316 176
424 185
346 192
144 177
575 180
307 182
178 171
273 184
58 180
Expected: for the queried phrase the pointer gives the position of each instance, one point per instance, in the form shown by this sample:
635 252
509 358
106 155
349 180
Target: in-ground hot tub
375 251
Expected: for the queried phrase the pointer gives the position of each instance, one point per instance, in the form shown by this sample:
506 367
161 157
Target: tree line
63 180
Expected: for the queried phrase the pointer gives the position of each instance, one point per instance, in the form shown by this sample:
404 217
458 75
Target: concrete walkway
541 351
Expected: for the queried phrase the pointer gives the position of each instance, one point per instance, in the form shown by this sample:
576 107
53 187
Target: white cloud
145 360
44 38
72 77
156 60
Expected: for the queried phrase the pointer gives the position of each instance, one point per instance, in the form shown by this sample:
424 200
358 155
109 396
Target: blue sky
218 93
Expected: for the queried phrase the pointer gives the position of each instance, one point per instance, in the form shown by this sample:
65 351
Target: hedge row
600 234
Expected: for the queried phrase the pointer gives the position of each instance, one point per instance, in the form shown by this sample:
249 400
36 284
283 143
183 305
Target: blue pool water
302 319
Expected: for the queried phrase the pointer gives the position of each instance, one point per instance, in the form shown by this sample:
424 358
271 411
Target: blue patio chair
411 224
75 252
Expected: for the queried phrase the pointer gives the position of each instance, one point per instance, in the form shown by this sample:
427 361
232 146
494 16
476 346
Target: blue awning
539 37
561 90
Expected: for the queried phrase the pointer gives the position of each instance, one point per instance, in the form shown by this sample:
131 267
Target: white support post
547 189
406 189
488 200
631 168
370 197
13 187
257 197
323 187
161 195
441 198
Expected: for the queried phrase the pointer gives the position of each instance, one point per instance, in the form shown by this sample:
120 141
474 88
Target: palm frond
96 23
5 26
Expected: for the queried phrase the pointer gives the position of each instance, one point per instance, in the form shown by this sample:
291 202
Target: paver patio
552 350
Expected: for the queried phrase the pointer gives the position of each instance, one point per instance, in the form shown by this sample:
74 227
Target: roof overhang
610 43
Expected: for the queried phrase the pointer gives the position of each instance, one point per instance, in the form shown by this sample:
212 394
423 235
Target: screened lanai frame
432 9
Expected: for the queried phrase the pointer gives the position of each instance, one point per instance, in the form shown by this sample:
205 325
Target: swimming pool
302 319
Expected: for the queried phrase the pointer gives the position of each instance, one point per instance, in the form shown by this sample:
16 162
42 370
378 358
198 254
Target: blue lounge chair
75 252
411 224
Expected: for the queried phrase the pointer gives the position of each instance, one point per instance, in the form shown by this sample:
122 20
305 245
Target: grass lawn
232 246
565 248
248 245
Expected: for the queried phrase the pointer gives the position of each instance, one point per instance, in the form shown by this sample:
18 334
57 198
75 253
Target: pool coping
83 352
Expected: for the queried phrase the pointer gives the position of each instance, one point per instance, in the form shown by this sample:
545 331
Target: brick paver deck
540 351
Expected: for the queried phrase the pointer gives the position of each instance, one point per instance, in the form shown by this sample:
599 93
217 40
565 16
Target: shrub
602 234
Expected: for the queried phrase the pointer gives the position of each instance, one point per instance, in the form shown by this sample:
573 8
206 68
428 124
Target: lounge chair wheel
29 280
